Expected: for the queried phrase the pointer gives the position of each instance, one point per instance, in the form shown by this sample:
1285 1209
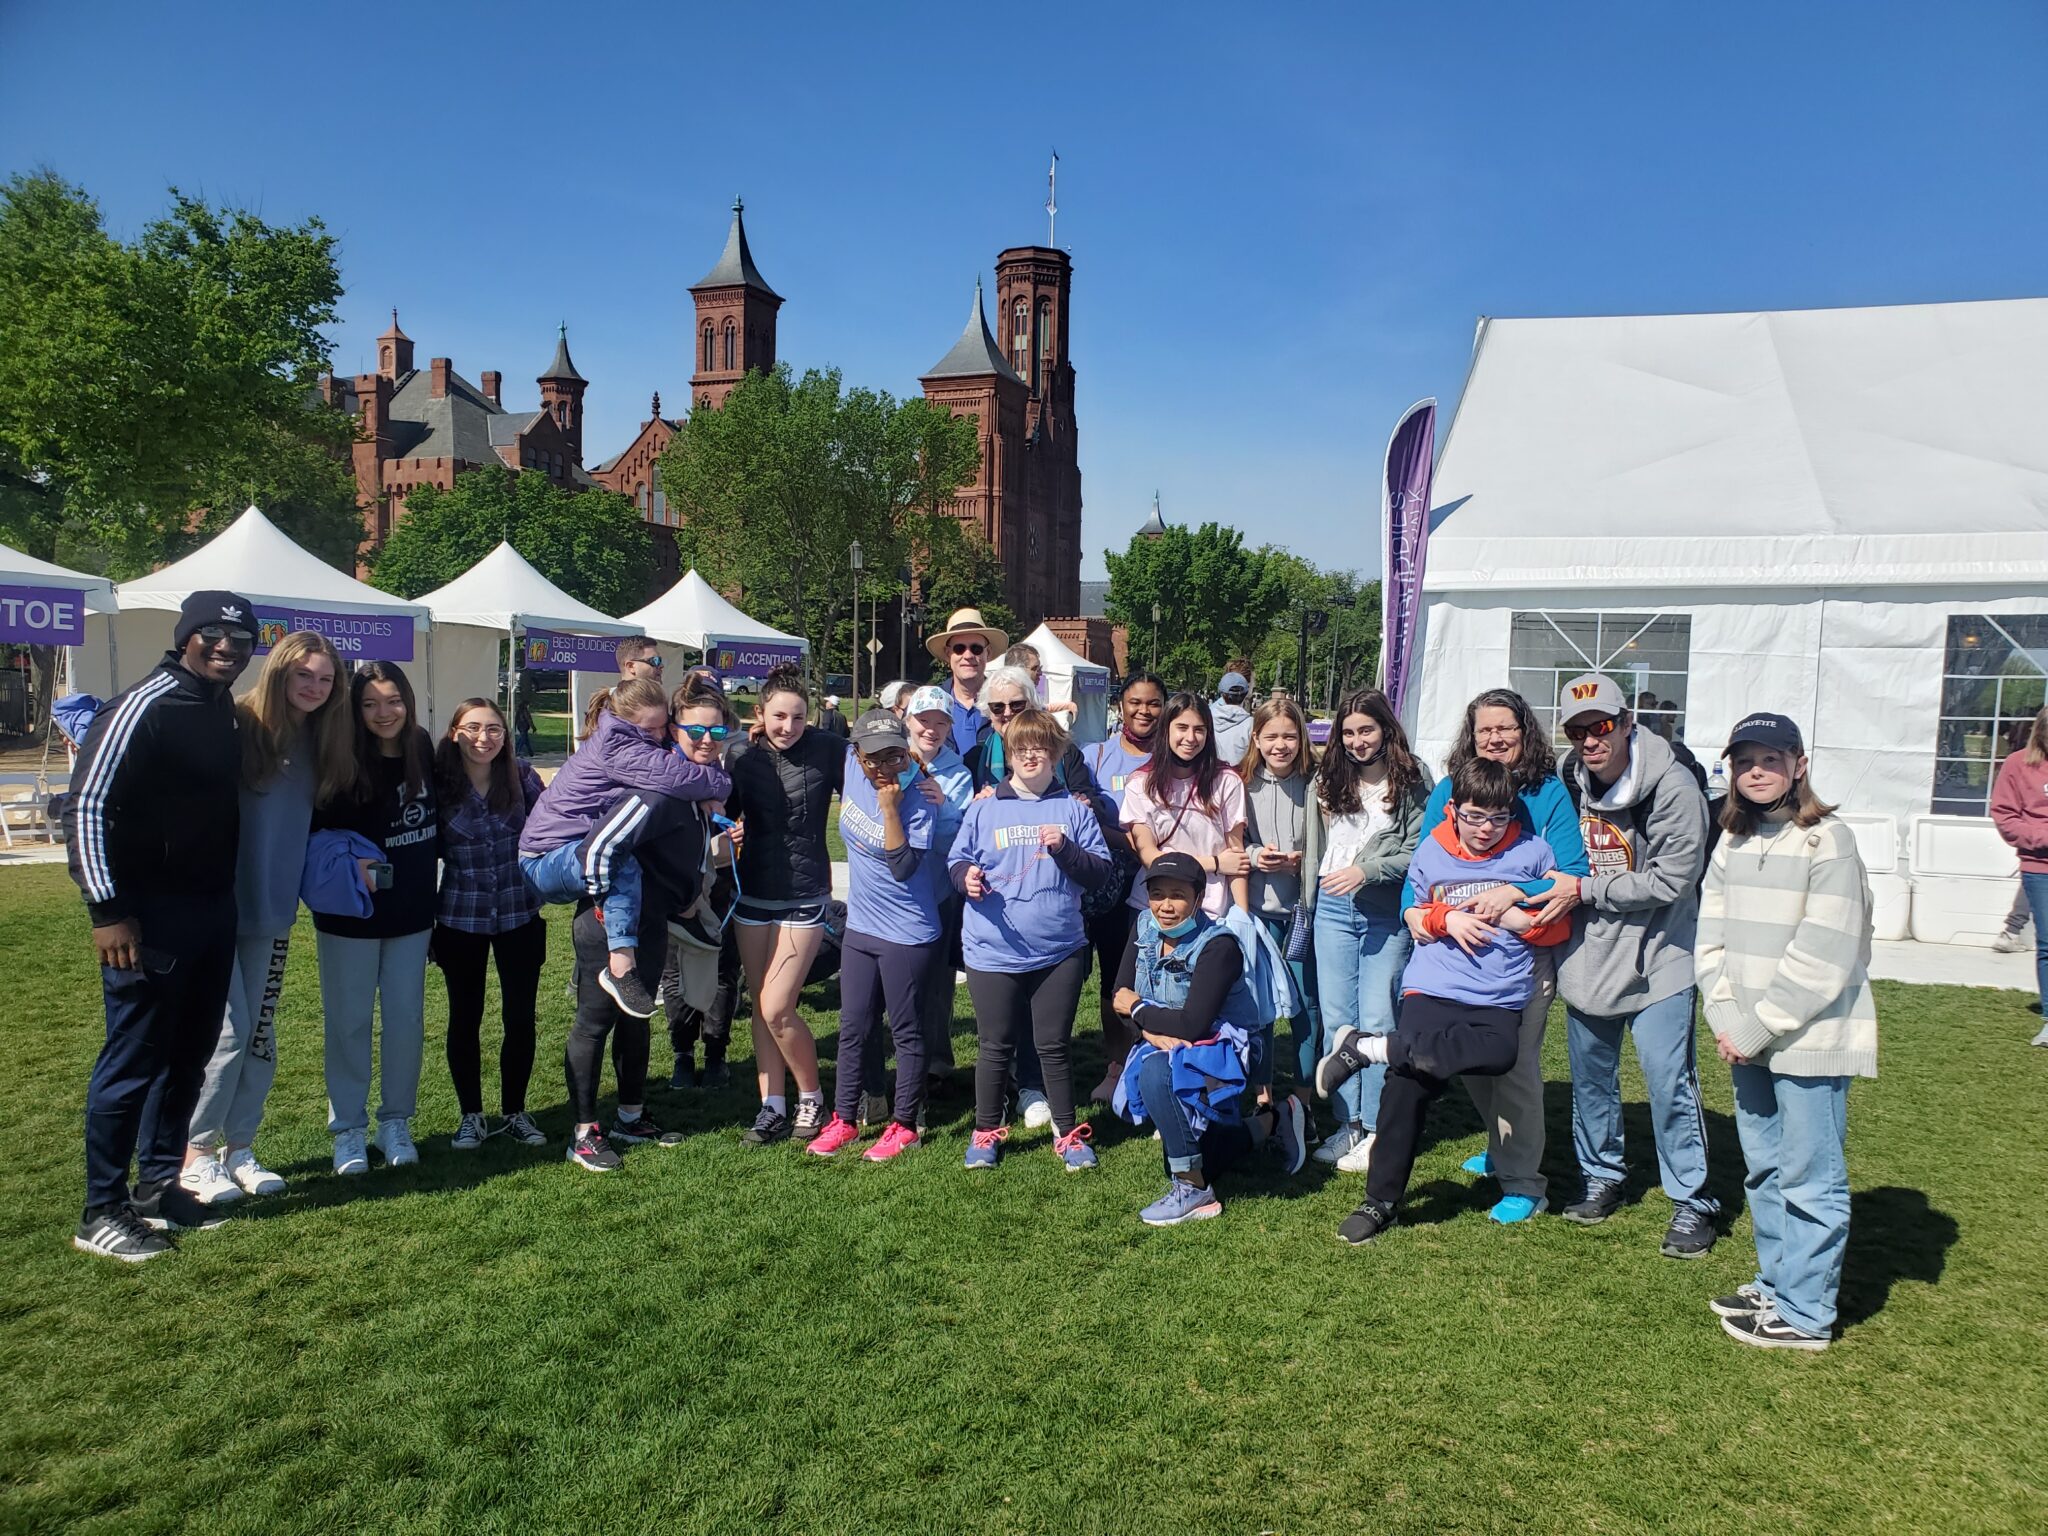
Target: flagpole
1052 202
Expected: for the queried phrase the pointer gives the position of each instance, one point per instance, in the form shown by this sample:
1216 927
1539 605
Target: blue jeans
559 876
1665 1051
1794 1131
1184 1151
1359 960
2036 889
1304 1032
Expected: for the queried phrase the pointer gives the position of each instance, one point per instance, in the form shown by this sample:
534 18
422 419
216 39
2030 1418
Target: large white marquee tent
1839 514
693 613
1071 676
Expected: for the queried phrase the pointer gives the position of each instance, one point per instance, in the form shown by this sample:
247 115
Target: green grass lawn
718 1340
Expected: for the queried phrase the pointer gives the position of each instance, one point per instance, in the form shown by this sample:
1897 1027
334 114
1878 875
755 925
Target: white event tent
496 600
254 560
693 613
1838 514
1070 675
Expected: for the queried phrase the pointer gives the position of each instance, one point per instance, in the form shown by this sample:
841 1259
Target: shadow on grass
1894 1235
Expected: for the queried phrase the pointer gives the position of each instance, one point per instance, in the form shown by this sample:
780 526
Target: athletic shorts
804 914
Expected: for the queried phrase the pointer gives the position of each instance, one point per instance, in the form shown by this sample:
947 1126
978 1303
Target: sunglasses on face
1597 729
234 639
969 648
699 732
1000 707
1478 819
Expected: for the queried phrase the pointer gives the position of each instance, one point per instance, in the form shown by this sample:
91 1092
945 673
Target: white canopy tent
1838 514
1070 675
253 559
496 600
693 613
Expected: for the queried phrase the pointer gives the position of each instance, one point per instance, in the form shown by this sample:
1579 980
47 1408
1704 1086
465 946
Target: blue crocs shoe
1181 1202
984 1147
1510 1209
1480 1163
1073 1148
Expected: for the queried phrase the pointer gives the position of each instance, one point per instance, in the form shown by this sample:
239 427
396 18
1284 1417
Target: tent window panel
1649 655
1994 681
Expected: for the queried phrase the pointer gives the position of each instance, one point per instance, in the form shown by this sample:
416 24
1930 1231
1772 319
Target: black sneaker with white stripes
120 1234
1767 1330
169 1205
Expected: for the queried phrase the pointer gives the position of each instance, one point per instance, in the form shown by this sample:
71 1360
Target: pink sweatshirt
2019 807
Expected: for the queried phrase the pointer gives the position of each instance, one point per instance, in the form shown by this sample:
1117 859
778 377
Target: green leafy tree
149 391
1342 653
1216 598
777 484
591 543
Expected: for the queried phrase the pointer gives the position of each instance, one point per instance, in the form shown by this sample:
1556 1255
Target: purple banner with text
1404 545
357 636
752 658
556 651
42 616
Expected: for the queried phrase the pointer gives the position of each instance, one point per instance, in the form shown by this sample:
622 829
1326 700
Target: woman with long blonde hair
297 748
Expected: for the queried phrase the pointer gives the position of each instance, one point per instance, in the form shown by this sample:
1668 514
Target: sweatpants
161 1029
874 972
686 1025
244 1063
1042 1003
598 1017
520 953
1511 1106
1435 1041
363 982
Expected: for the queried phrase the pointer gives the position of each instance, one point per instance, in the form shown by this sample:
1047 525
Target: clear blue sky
1282 225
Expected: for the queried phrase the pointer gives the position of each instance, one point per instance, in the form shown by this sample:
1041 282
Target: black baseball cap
1774 731
204 608
1181 867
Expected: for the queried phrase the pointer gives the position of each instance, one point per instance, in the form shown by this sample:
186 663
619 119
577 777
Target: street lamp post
854 649
1155 637
902 623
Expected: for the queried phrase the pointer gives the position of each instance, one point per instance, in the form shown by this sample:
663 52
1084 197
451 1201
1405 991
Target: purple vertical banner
1404 545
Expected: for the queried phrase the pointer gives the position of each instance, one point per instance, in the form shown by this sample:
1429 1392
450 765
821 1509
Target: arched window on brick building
732 347
660 498
709 363
640 498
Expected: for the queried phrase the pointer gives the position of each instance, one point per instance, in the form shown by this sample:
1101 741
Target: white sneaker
394 1140
1359 1158
468 1136
254 1178
1339 1145
2041 1038
349 1156
2009 941
1036 1112
207 1182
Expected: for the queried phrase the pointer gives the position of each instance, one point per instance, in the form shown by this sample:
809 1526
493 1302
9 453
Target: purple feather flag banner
1404 545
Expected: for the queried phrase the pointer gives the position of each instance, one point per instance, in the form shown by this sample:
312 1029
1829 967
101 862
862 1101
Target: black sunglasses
971 648
238 639
997 707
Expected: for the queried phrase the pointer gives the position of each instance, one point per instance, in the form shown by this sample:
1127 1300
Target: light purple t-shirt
877 903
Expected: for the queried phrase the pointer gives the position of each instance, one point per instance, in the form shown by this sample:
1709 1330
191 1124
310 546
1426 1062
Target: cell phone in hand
380 877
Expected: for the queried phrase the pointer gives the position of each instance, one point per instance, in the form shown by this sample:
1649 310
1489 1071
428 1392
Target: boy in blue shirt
1464 987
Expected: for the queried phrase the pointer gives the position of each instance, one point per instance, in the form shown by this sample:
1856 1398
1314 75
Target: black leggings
1004 1002
597 1016
1109 935
1434 1042
874 972
520 953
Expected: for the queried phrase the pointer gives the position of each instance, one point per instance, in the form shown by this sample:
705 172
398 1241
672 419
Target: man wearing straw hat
964 646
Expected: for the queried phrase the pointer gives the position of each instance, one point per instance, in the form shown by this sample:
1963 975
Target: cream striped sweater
1783 955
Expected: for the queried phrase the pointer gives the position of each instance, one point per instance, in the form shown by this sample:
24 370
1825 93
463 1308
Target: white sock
589 1129
776 1102
815 1096
1373 1048
630 1112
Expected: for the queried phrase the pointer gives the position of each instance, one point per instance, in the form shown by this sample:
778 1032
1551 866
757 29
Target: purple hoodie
617 758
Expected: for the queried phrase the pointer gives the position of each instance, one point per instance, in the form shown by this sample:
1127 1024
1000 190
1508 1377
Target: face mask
1181 929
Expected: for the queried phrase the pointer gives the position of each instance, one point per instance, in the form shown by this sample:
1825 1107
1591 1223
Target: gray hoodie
1632 935
1233 731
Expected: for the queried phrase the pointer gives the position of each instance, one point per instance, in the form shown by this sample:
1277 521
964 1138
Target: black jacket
784 798
155 808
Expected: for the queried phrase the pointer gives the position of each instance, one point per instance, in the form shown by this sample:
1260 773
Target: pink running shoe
895 1138
837 1133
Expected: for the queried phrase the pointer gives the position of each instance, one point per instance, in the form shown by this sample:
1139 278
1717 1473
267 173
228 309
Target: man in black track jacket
151 826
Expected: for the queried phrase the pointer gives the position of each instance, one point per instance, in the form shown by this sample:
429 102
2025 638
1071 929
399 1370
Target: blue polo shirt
967 723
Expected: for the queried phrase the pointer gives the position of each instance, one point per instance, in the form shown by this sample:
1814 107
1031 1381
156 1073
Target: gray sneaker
1603 1199
1690 1236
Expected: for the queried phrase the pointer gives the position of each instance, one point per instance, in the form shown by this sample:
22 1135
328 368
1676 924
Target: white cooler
1965 877
1891 893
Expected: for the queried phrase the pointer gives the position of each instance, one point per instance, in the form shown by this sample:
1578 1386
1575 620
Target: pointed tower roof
561 367
975 355
394 334
736 267
1155 525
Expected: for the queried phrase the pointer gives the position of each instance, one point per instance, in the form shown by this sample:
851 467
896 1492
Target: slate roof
460 425
736 267
561 367
975 355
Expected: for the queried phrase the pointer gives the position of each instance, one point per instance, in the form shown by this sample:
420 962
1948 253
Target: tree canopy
591 543
151 390
776 485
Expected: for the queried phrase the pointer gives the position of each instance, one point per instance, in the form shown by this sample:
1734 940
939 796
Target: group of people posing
1409 929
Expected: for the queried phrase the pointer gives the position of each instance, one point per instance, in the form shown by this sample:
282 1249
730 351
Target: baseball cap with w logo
1590 694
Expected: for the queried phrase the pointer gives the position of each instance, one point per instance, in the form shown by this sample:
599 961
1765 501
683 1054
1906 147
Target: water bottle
1717 781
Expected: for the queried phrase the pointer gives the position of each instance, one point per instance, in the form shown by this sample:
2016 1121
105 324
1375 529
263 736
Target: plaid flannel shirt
482 890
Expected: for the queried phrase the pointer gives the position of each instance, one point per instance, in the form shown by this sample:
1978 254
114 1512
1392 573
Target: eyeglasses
969 648
482 732
699 732
1478 819
1597 728
999 707
1491 732
234 639
1030 755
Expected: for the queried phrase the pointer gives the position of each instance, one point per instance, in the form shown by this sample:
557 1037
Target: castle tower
735 319
394 352
1034 284
561 395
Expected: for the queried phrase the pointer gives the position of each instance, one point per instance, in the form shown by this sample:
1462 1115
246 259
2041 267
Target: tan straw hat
967 621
